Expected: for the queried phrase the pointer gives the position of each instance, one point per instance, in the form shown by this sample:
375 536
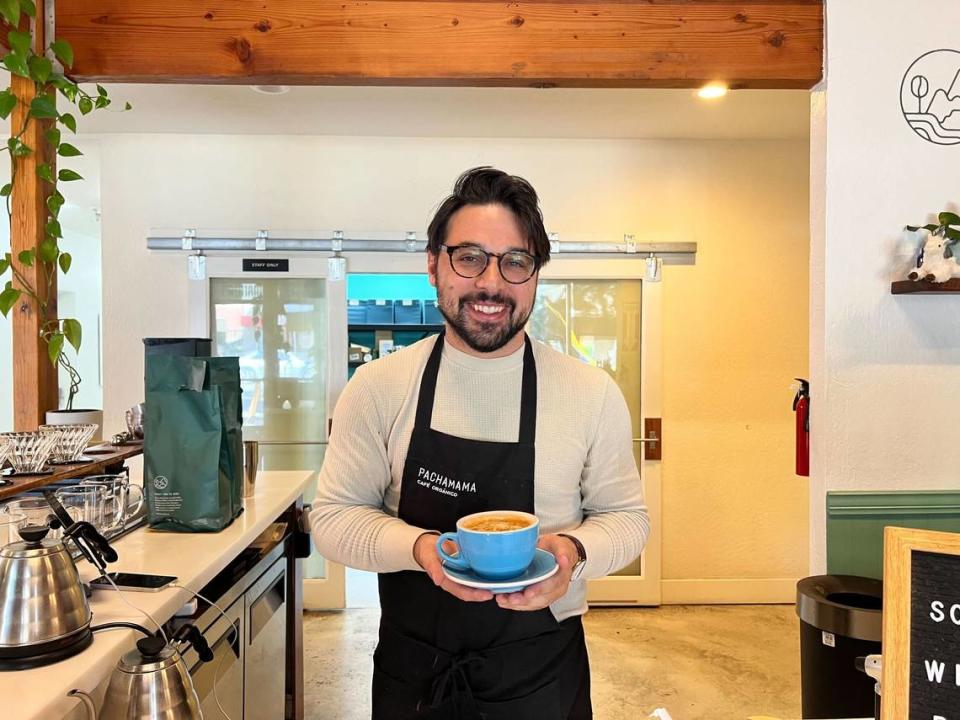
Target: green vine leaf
48 251
101 102
18 148
8 299
4 265
45 173
67 175
949 218
53 229
54 203
65 260
914 228
55 347
20 42
6 190
69 122
10 9
26 257
29 8
63 51
101 91
68 150
8 101
85 105
16 63
73 332
53 136
43 107
40 68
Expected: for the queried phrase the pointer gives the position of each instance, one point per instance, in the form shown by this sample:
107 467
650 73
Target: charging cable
136 609
230 640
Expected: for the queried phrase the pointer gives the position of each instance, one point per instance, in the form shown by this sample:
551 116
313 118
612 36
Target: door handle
653 439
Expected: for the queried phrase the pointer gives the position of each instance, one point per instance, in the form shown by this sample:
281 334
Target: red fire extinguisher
801 406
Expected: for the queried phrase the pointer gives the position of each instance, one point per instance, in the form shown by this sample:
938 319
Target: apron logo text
442 484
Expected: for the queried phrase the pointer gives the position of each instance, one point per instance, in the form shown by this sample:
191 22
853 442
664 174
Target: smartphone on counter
137 582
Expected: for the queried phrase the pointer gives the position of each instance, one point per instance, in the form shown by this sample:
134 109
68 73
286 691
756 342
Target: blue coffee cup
497 544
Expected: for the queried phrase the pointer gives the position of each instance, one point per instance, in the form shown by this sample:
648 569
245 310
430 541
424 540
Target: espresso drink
497 523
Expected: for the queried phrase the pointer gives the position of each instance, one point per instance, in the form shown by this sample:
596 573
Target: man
508 424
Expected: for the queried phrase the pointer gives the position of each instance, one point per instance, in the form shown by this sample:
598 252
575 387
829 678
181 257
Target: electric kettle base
32 656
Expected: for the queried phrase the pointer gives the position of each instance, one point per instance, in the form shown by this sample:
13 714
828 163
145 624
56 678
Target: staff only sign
921 625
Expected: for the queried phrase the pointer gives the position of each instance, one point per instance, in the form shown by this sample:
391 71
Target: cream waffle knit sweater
586 480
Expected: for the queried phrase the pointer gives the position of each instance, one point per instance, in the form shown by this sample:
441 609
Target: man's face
486 312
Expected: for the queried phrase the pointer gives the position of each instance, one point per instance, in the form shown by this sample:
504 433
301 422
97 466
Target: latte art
497 523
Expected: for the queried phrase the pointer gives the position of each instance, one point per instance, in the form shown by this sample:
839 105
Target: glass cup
34 511
87 503
10 524
123 499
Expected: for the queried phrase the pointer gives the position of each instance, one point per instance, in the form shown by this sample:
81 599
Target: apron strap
528 396
428 385
528 392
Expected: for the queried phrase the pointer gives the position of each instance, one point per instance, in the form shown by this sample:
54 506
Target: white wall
735 322
887 367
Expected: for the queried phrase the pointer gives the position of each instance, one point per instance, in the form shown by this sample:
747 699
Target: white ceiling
454 112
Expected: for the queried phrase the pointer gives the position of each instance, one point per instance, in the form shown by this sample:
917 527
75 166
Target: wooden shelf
102 464
924 287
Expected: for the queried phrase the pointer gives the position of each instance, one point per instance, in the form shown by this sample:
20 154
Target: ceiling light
270 89
712 91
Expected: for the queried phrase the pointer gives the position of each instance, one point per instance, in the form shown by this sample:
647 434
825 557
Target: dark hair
488 186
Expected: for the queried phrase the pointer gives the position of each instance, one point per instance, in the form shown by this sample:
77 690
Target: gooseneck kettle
151 682
42 600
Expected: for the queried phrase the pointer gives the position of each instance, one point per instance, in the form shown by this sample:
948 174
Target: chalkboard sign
935 636
921 625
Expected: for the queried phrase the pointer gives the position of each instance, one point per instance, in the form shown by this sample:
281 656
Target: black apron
440 657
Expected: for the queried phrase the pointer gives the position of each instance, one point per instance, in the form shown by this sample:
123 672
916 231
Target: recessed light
712 91
270 89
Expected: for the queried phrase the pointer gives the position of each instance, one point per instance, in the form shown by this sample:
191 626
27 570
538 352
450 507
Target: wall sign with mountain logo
930 96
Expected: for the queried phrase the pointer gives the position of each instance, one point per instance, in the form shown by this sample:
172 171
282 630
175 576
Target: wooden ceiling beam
565 43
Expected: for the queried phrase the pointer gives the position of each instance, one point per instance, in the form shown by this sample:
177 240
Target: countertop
41 693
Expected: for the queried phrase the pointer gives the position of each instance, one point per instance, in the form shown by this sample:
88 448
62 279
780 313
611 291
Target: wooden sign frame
899 546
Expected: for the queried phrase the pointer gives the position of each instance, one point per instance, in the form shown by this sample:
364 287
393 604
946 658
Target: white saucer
543 566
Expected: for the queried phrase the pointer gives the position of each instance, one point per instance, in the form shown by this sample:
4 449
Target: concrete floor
698 662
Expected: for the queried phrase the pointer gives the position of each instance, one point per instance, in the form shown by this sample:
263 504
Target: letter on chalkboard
936 611
935 670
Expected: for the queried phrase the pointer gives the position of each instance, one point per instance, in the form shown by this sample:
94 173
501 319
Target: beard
481 336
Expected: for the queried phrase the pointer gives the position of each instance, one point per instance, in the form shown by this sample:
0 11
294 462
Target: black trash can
840 620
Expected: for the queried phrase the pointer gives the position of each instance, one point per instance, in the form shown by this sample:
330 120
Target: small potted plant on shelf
937 259
45 70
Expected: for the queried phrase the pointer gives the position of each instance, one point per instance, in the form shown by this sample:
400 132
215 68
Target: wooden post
34 376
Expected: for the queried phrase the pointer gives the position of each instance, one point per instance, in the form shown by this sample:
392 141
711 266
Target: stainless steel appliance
151 681
42 600
264 695
219 683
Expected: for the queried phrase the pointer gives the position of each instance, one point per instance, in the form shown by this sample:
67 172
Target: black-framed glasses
470 261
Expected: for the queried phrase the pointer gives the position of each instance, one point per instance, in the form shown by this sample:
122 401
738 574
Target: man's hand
541 594
425 553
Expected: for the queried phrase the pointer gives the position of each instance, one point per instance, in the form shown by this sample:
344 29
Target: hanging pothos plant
21 59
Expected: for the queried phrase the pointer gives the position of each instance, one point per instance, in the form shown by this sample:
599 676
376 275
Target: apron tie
453 684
